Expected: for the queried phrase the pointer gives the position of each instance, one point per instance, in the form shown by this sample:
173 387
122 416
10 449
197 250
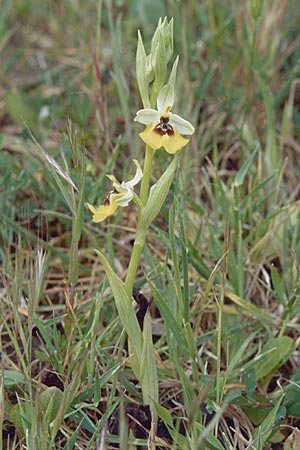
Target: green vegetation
220 268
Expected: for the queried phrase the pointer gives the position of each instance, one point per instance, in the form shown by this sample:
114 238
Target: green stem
134 262
140 233
147 174
148 157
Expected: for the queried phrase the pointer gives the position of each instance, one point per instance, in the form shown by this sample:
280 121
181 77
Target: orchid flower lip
164 127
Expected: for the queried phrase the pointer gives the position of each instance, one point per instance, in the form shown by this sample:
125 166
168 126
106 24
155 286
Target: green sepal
143 74
172 77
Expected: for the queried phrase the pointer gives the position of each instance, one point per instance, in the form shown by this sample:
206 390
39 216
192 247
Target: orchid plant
163 129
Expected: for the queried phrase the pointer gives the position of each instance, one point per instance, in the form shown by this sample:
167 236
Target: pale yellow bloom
121 195
164 129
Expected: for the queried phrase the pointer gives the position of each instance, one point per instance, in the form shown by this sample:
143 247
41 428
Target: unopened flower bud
255 8
167 33
159 62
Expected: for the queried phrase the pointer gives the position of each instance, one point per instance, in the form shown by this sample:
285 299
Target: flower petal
137 177
172 143
182 125
91 208
117 186
165 99
123 198
147 116
103 211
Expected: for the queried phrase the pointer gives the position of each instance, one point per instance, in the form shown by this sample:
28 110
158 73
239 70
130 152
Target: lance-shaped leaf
149 380
134 359
157 195
125 309
273 355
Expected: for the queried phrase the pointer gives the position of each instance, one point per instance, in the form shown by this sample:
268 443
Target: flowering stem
135 258
140 232
147 174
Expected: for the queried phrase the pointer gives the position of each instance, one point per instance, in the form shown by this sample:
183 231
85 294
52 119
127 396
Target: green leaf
124 307
13 378
149 380
250 380
211 442
292 398
157 195
107 375
164 415
240 176
278 286
49 403
240 351
258 409
80 209
71 442
262 315
197 261
275 353
266 428
15 417
168 316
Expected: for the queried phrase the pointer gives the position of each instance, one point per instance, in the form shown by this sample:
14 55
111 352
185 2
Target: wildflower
164 129
121 195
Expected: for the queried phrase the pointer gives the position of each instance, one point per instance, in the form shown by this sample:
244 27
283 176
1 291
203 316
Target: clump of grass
220 265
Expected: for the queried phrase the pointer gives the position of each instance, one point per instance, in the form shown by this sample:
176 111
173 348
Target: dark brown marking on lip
164 127
106 201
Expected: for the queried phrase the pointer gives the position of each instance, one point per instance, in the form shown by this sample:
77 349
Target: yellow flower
164 129
121 195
